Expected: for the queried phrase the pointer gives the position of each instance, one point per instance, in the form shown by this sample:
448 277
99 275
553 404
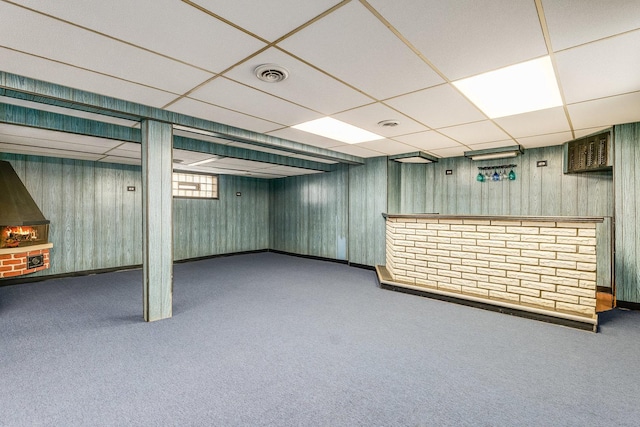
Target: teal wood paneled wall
367 202
230 224
627 202
95 222
309 214
425 188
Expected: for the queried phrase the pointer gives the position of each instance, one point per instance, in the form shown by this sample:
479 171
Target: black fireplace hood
16 205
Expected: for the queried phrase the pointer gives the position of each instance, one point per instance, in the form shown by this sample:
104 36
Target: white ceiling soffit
360 62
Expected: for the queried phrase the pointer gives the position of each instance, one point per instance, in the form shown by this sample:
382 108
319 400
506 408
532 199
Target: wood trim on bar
500 217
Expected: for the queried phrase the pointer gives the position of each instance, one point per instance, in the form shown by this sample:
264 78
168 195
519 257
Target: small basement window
195 185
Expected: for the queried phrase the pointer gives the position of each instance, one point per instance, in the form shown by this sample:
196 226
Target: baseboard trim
628 305
202 258
318 258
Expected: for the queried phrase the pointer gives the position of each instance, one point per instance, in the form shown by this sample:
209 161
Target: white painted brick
463 227
450 260
491 257
523 245
537 238
450 273
567 281
562 306
571 299
523 230
586 266
427 283
505 236
438 226
538 302
463 255
464 282
450 287
402 243
417 262
576 224
492 286
408 231
402 278
427 257
523 291
438 239
581 292
417 275
504 266
538 285
476 222
414 238
426 245
574 274
439 265
523 276
449 247
475 277
547 231
450 221
586 232
557 247
463 241
417 225
474 235
491 229
439 279
427 220
504 251
492 243
426 232
576 257
504 296
476 249
475 262
538 254
438 252
536 269
446 233
523 260
587 284
406 255
590 250
417 250
475 291
504 281
426 270
556 263
576 240
491 272
464 268
589 302
405 220
508 223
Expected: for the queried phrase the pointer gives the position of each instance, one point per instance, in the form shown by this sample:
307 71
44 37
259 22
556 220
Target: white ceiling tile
437 107
55 72
353 45
54 139
305 86
494 144
288 170
354 150
574 22
545 140
234 96
550 120
605 68
129 150
449 152
47 152
75 46
387 146
606 112
238 163
269 20
428 141
148 24
367 118
585 132
203 110
467 37
303 137
475 133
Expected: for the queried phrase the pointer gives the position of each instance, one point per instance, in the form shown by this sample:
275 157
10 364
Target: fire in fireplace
18 236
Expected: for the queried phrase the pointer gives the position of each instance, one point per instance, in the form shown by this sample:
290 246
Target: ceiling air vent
271 73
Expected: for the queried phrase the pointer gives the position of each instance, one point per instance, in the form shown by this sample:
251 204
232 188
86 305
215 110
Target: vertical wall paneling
394 186
367 202
157 244
627 205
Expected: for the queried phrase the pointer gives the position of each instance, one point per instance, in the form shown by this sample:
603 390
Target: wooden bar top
592 219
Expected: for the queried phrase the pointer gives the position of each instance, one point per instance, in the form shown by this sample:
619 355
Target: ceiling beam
12 85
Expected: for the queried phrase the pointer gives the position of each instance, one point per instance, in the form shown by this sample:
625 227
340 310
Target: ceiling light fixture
340 131
495 153
416 157
205 161
271 73
520 88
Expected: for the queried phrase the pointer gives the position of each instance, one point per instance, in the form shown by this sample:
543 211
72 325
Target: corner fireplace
24 231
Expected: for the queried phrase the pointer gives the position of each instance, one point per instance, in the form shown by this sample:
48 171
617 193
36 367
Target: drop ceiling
361 62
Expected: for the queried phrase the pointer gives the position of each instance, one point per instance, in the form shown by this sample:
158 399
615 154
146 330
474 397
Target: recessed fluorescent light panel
335 129
520 88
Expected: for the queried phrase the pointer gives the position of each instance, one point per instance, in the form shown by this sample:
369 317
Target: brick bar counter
540 267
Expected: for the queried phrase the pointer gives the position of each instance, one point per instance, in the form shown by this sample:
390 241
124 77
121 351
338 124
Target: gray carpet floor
269 339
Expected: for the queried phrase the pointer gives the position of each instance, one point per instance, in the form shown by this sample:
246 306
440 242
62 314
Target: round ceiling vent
271 73
388 123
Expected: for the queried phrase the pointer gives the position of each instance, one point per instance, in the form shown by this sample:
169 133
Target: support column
157 221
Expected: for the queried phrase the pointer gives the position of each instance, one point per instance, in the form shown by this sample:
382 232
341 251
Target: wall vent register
591 153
